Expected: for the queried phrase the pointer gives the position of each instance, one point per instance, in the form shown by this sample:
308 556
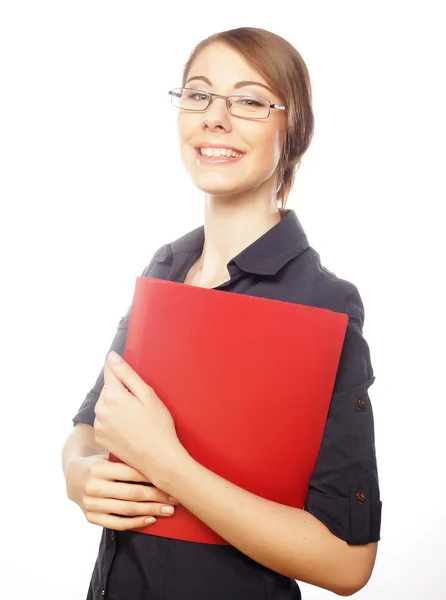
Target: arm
333 543
285 539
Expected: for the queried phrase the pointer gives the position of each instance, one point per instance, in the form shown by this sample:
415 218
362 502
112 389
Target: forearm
79 447
285 539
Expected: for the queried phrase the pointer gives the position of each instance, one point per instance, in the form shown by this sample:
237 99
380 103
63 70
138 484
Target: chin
219 187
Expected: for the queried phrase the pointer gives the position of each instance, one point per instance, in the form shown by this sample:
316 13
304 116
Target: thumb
121 370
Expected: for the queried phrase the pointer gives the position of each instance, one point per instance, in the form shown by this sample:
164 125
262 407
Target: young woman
245 121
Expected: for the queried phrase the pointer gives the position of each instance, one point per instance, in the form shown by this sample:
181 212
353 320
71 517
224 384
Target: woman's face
218 69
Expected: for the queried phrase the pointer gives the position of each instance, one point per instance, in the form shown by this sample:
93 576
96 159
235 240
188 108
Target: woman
242 152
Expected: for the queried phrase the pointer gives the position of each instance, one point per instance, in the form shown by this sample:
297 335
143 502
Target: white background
92 185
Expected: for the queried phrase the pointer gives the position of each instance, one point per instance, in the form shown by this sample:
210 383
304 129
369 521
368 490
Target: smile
218 155
217 152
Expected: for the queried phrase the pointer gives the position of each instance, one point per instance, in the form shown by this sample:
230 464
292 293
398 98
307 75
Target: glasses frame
228 102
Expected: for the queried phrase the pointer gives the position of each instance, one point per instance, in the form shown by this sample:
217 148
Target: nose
217 115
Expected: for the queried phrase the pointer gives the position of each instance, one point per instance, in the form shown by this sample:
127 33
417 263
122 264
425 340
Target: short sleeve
86 413
344 487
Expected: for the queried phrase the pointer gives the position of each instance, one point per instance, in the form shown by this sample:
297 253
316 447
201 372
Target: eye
249 101
197 96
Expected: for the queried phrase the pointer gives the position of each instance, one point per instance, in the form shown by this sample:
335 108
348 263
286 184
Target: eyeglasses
249 107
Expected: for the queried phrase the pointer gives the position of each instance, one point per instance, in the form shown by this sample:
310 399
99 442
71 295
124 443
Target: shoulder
190 242
161 256
326 289
355 372
316 285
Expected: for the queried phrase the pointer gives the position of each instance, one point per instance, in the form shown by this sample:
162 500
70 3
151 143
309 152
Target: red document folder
247 380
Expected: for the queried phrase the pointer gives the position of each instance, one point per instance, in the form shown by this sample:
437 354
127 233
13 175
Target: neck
230 225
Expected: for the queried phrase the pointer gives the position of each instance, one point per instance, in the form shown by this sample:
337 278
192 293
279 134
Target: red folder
247 380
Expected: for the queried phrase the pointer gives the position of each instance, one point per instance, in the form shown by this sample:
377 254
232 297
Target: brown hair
286 72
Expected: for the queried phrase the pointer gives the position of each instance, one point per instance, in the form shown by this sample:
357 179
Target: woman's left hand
133 423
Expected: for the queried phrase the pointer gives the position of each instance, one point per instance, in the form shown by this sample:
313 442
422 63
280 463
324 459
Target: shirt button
103 593
362 403
113 536
360 496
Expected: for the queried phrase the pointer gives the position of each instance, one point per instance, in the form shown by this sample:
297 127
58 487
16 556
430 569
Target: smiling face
221 70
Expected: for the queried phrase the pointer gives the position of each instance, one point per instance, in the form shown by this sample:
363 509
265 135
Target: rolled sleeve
344 487
86 412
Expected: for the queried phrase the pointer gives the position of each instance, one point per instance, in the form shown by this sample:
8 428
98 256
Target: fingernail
167 510
149 520
172 499
114 357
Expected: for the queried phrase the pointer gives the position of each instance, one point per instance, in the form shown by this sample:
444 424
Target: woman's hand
114 495
133 423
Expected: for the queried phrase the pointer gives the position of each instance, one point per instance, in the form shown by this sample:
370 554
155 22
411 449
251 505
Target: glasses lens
249 106
188 99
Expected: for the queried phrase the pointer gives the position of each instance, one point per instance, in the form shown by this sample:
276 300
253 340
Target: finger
120 472
118 523
127 377
100 488
123 508
105 469
112 383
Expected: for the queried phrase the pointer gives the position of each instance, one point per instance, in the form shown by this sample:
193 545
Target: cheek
276 140
181 129
186 129
268 149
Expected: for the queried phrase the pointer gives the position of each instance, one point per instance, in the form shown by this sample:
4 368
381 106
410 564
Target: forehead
223 66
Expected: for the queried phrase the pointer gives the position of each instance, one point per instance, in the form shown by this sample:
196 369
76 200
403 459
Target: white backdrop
92 184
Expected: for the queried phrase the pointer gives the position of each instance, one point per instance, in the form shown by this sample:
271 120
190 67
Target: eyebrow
238 85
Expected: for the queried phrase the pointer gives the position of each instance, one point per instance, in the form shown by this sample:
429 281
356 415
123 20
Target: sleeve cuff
355 519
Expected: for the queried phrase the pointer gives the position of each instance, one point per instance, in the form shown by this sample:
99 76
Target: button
360 496
103 593
113 536
362 403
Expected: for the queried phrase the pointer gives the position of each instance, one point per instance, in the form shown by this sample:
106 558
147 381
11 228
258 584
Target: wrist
172 469
76 474
73 477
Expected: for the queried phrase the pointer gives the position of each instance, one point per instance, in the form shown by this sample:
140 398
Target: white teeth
217 152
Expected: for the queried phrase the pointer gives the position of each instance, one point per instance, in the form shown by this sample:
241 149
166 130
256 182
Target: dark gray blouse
344 489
